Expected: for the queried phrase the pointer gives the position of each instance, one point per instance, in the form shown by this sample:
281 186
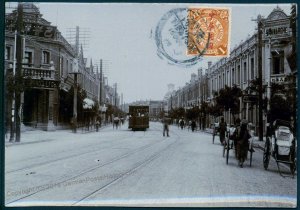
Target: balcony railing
38 73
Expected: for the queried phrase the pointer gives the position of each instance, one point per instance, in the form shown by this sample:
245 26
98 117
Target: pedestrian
181 123
97 125
193 125
251 132
116 122
235 133
222 130
73 124
242 144
166 122
189 124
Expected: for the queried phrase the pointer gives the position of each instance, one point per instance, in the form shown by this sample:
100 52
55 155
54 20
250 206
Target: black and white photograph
150 104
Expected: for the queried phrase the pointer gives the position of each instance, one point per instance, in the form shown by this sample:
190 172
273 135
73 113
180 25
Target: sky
123 36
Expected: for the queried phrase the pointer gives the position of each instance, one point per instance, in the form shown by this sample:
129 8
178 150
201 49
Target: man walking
166 122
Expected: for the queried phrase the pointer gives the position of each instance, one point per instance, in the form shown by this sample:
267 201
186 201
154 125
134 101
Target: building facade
241 69
48 61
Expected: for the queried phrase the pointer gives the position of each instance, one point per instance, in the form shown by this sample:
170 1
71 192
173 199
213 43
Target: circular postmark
174 37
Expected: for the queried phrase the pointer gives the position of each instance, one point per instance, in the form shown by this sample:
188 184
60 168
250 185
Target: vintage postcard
150 104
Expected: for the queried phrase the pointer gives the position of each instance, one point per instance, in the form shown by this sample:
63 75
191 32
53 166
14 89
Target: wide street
122 167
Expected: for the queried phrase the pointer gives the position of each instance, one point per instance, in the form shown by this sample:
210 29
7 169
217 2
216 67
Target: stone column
50 124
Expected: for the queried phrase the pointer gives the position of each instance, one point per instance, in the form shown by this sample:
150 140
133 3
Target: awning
88 103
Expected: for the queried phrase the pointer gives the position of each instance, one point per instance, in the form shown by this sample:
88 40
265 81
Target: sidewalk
36 136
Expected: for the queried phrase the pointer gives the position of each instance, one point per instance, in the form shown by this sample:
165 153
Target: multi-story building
48 60
155 109
242 67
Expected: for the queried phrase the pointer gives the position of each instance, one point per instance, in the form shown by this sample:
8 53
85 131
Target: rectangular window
67 70
228 79
252 68
233 77
28 57
239 75
46 57
245 72
61 66
278 62
7 53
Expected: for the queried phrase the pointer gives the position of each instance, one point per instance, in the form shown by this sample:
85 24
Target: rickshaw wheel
293 159
266 159
224 148
227 154
251 152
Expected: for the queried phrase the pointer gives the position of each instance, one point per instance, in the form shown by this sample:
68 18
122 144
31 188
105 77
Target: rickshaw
281 145
229 144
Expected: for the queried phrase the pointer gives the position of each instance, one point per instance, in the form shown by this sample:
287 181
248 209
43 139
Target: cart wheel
227 154
267 154
224 148
293 159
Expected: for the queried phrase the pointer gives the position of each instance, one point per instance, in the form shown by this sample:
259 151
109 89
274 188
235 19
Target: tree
204 110
193 113
279 108
280 103
215 110
227 98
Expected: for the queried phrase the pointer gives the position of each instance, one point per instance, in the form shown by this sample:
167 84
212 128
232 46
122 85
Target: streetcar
138 117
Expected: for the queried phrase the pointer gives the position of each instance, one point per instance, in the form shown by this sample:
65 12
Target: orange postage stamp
208 31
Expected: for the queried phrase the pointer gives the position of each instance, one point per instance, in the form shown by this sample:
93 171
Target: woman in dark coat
242 143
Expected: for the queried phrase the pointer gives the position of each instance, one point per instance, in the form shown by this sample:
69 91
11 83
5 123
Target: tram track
58 159
90 169
130 171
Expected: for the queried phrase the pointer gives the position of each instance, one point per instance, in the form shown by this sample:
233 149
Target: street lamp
75 71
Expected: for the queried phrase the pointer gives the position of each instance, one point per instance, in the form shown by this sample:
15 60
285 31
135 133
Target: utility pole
293 85
115 94
260 89
101 83
12 124
18 76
